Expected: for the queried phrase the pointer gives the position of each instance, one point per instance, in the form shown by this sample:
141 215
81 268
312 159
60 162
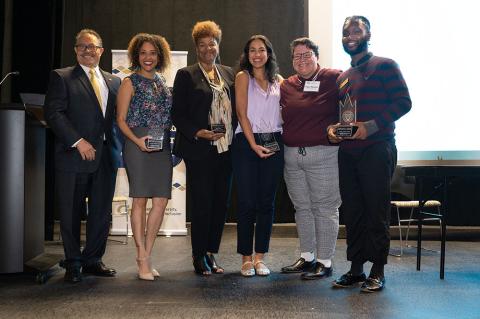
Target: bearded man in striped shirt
367 160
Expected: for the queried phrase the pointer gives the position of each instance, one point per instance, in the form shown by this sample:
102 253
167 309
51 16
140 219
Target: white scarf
220 110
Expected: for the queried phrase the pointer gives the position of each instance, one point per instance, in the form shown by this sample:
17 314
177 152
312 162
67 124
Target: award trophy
268 140
215 124
217 128
155 143
348 115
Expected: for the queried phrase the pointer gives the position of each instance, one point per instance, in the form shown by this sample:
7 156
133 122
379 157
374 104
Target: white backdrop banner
174 222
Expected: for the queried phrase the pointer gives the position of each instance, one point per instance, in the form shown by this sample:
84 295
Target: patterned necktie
96 86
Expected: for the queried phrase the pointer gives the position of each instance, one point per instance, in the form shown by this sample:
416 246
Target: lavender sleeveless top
263 109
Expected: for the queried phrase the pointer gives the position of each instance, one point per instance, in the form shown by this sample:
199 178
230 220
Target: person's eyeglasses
89 47
303 56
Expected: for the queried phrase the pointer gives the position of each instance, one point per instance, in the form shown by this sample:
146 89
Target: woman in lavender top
143 115
257 151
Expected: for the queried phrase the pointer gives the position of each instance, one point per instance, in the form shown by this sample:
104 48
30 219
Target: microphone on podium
8 74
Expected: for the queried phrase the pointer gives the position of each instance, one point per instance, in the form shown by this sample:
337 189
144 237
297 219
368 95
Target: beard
361 47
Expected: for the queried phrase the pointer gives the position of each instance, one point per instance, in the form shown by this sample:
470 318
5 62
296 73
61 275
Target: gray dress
149 173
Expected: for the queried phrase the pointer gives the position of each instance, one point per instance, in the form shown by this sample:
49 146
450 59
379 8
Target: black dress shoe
99 269
300 266
72 274
349 280
212 263
201 266
373 284
319 272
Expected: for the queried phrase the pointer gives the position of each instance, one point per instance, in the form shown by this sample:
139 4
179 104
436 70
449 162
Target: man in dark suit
79 108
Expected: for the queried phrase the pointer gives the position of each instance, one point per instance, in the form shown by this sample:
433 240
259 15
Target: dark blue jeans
256 182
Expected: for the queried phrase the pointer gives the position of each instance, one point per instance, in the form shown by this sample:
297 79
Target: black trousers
208 189
365 189
71 191
257 181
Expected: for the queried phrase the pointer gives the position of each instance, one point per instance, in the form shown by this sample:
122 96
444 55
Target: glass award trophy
217 128
268 140
155 143
215 125
348 115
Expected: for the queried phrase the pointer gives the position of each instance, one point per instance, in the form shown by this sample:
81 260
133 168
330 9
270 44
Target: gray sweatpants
311 176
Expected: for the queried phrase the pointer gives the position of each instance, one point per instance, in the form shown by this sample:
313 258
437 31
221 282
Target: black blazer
72 111
192 99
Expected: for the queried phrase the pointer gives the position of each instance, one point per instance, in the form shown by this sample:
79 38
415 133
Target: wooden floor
179 293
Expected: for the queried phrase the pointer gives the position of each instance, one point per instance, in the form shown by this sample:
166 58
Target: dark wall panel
118 21
33 30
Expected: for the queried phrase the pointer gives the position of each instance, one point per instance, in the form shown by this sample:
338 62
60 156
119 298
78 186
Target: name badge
311 86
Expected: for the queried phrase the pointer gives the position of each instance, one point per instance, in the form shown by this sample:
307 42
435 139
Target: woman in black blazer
203 113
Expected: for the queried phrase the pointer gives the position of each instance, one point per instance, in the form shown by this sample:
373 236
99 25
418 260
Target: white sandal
261 270
249 272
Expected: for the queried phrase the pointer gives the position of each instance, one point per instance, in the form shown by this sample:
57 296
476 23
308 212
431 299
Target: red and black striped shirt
381 94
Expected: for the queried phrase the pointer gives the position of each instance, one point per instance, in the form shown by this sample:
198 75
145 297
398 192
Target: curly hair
159 43
271 67
207 28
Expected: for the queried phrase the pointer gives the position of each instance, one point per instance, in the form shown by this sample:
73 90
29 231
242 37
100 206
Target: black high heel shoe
212 263
201 266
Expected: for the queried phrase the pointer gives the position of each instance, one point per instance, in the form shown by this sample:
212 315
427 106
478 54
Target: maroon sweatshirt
306 115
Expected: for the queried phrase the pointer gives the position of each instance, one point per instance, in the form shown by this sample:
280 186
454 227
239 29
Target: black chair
405 186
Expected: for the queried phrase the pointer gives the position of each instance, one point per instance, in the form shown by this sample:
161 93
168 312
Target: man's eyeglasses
303 56
89 47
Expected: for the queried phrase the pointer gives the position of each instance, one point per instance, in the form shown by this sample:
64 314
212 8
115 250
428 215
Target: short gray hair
91 32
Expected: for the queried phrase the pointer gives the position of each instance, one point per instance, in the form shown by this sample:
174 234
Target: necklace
214 80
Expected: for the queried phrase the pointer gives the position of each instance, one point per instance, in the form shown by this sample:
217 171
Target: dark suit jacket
192 98
73 112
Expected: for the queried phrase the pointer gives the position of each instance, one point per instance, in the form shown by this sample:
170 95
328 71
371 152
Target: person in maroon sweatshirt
367 160
309 105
